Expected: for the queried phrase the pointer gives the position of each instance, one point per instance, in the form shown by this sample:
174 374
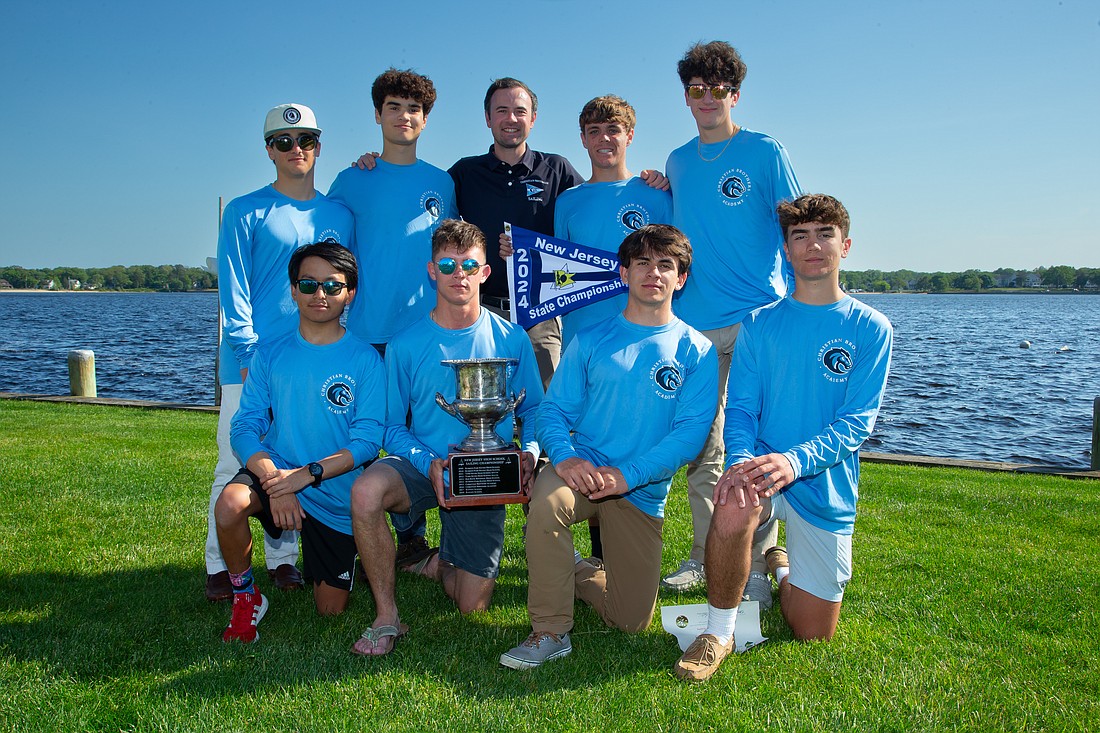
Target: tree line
1058 277
178 278
171 278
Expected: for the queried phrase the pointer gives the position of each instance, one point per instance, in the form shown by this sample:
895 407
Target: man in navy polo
513 183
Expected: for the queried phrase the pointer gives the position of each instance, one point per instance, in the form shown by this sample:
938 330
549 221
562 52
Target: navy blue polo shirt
490 192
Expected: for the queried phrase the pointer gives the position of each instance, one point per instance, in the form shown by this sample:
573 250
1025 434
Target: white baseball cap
290 117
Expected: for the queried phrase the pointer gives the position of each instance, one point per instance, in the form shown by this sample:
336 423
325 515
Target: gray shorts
471 538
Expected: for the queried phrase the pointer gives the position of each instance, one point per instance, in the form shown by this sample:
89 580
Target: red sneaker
248 609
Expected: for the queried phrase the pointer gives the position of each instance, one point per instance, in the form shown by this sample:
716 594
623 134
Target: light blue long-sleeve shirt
724 199
303 402
259 233
810 380
396 209
415 374
638 398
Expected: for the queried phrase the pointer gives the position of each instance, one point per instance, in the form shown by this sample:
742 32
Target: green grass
974 607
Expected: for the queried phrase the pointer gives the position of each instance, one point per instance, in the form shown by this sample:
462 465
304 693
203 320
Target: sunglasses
330 287
718 91
285 143
447 266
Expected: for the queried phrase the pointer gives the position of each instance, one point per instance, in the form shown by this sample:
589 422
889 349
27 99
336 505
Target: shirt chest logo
836 360
535 189
339 393
432 203
733 186
668 377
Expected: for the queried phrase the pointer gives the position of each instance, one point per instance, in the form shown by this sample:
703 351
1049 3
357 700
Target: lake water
960 386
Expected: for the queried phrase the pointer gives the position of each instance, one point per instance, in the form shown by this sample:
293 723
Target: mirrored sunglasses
285 143
330 287
718 91
447 266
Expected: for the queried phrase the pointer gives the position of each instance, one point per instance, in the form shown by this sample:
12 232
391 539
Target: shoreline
898 459
27 291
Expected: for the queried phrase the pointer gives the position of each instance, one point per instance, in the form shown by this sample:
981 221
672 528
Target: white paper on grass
687 622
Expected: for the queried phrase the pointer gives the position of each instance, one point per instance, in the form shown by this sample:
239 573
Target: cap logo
292 115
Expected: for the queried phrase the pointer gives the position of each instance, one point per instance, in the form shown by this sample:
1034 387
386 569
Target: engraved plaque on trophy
483 468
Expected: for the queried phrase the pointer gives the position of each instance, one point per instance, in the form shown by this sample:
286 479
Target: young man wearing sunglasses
726 184
259 232
409 480
631 402
811 373
312 411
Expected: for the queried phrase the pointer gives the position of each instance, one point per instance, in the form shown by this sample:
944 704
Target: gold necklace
699 146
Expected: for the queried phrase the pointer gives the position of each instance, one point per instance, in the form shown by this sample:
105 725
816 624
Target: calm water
960 387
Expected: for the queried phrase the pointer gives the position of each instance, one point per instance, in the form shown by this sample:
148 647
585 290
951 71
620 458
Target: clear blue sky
959 134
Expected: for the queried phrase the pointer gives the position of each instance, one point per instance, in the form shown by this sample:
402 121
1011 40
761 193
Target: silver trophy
483 468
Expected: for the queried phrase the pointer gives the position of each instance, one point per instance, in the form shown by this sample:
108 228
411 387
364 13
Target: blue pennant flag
548 277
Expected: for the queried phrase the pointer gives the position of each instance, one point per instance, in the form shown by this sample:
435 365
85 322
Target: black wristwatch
317 471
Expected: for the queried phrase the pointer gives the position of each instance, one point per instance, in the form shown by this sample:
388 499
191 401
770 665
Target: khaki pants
623 592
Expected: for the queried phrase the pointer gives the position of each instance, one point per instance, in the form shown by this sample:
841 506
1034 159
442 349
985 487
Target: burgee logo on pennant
548 277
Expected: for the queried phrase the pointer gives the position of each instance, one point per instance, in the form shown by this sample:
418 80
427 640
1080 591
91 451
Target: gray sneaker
540 646
690 575
759 589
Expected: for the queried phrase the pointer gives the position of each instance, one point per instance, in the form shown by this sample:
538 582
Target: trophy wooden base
481 479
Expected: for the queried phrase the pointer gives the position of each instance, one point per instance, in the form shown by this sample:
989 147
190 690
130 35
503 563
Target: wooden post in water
82 373
1096 434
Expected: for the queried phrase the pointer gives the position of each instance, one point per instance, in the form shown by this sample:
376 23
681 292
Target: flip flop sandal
374 635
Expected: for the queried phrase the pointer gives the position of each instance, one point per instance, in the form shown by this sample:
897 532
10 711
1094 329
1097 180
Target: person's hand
655 179
527 472
286 481
731 487
614 483
287 512
367 161
505 245
765 475
580 475
435 475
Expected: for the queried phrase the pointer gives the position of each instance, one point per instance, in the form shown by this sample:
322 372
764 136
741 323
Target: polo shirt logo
535 189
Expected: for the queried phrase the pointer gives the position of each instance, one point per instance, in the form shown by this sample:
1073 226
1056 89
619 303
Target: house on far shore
5 285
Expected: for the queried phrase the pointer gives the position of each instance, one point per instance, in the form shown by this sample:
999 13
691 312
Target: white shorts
821 561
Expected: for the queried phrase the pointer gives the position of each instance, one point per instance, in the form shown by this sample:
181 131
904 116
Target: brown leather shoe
702 658
411 552
286 577
218 587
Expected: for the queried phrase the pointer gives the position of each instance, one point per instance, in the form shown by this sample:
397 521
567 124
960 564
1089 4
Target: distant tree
924 282
1060 276
941 283
880 286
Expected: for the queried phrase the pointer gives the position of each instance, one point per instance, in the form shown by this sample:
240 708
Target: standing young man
396 209
409 480
811 372
312 410
631 402
611 204
259 232
397 206
726 184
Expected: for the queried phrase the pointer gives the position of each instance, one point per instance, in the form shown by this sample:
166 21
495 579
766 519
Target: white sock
720 623
781 573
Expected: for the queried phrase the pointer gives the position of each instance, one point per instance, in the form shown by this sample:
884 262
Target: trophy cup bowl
483 468
481 400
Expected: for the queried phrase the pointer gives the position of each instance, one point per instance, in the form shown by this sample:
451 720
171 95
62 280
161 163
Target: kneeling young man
409 480
631 402
813 370
312 410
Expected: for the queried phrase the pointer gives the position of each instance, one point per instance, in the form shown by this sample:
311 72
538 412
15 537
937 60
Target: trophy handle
517 401
450 409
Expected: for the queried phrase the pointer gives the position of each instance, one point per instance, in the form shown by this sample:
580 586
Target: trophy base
481 479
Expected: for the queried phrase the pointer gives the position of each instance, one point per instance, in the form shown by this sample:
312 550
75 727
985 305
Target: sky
960 134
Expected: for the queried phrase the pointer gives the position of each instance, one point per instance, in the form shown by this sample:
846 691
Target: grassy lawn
973 606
